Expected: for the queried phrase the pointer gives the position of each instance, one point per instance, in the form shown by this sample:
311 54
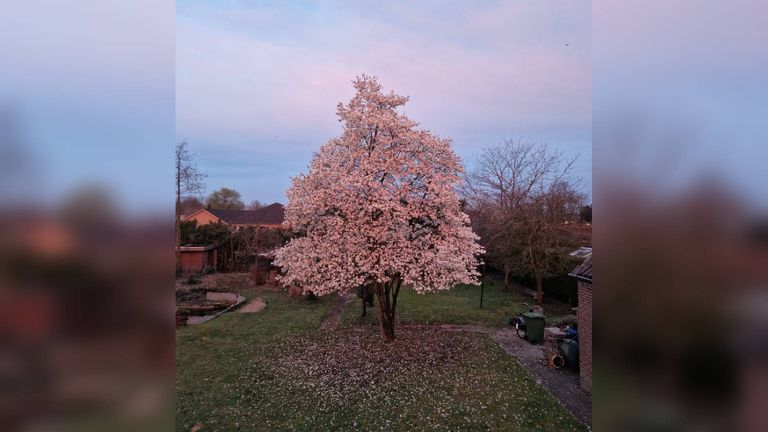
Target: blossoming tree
378 209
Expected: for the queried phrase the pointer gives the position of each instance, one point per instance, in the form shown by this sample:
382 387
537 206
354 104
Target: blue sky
257 83
682 105
102 97
92 98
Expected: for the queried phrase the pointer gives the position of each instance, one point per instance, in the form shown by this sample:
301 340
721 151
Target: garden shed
194 259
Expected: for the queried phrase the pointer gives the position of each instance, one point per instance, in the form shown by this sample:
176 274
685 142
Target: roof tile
273 214
583 271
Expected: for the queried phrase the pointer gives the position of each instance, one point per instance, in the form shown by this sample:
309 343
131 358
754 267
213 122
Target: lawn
459 305
274 370
223 377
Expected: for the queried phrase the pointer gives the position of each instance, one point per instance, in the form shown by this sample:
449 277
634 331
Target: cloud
269 78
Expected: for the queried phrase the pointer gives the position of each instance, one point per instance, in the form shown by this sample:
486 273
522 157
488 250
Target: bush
236 249
192 279
563 287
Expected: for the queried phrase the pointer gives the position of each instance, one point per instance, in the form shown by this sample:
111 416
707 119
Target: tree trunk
387 295
364 298
387 326
178 234
178 213
539 289
506 279
537 273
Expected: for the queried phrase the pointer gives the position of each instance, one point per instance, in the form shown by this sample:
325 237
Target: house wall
584 317
203 217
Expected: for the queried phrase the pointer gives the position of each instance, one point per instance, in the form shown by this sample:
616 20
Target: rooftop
583 271
273 214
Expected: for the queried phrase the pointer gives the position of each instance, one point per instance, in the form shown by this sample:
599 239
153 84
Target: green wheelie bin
534 327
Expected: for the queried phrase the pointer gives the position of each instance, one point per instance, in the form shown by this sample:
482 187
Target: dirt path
331 321
563 385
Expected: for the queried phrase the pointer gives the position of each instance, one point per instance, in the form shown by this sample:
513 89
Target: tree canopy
378 208
225 199
521 198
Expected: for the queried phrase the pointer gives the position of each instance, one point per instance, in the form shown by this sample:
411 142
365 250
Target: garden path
331 321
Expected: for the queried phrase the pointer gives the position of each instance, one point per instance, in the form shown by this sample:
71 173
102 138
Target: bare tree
519 194
189 182
255 205
544 236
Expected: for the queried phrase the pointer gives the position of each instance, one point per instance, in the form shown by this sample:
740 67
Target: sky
680 96
89 98
102 97
257 83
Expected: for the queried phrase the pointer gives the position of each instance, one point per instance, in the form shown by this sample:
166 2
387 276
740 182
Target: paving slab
255 305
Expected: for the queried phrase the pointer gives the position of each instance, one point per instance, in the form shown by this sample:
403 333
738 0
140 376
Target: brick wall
203 217
585 335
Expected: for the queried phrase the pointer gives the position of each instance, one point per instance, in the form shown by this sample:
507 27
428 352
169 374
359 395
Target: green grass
274 371
459 305
220 365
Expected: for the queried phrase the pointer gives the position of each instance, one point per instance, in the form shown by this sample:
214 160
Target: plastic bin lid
533 315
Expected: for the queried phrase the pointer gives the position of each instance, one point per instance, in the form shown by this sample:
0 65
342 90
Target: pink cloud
491 69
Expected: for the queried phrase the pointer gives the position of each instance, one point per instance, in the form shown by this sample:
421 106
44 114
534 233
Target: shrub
562 287
236 249
192 279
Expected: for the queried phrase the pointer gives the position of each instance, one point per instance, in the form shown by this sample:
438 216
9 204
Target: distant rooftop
273 214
